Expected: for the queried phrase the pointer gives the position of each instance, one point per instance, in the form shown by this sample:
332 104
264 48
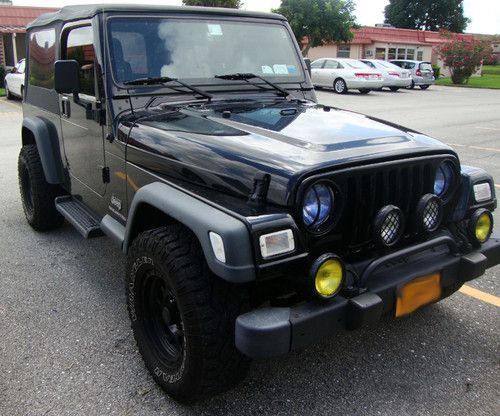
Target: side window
370 64
42 57
317 64
331 64
80 47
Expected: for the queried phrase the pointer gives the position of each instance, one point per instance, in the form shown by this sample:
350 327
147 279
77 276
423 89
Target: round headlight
444 178
318 205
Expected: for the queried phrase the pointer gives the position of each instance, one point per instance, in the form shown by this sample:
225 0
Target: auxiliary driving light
480 225
429 212
388 226
327 273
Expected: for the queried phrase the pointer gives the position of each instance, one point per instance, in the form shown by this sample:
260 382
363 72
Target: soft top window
42 57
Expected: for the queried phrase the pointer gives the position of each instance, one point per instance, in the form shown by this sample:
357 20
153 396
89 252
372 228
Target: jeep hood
226 147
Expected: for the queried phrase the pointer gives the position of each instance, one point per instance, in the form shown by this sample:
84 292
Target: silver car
421 72
14 81
344 74
394 76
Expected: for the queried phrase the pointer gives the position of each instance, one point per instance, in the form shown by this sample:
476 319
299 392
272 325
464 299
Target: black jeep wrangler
254 220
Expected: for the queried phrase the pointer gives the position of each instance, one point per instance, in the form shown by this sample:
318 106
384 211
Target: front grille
363 191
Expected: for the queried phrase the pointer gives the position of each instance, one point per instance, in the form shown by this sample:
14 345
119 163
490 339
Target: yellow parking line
478 294
488 149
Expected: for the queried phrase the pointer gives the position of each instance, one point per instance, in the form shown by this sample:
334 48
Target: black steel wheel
37 195
183 317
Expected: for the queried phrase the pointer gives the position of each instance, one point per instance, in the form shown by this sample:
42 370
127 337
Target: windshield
200 49
357 64
426 66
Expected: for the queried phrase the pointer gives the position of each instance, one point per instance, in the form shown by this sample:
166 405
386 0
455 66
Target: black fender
200 218
45 135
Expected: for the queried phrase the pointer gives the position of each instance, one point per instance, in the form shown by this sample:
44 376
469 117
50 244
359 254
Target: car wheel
183 317
394 89
364 91
8 93
37 195
424 87
339 86
410 87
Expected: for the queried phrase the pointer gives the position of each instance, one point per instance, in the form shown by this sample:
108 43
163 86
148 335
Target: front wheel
37 195
183 317
339 86
411 86
8 93
424 87
364 91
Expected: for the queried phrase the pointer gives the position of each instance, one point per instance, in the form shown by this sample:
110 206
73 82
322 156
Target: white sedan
394 76
14 81
343 74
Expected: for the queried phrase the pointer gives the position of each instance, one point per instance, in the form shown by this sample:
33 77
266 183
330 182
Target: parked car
421 72
14 81
254 221
394 77
343 74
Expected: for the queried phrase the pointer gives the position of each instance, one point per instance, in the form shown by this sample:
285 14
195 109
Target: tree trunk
305 51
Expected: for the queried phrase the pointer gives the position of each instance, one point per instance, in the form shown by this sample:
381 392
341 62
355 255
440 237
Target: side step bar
79 216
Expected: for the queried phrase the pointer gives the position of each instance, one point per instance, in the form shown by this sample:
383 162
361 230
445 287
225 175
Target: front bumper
273 331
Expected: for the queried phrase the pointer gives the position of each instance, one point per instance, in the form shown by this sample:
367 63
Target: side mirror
308 65
13 70
67 77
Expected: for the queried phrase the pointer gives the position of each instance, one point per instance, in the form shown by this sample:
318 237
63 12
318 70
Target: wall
330 51
2 59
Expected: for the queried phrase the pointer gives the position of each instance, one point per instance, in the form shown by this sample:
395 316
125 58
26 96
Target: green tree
231 4
319 21
427 14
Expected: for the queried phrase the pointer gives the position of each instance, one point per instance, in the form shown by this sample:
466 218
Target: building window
401 53
392 54
42 57
343 51
380 53
420 55
410 54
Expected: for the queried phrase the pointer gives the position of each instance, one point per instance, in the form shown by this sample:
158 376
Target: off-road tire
209 362
37 195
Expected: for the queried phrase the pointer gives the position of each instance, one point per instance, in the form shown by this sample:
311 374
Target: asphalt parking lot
66 347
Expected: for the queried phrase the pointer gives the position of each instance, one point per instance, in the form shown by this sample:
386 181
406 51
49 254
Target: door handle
66 107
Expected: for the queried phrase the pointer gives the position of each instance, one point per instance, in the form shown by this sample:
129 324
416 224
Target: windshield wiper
166 80
248 76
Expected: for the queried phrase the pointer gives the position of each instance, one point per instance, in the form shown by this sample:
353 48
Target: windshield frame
300 80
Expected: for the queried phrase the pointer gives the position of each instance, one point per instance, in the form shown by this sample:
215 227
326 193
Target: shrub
437 71
462 55
2 75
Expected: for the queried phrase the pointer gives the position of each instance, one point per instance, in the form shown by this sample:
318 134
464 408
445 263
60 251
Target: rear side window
42 57
80 47
331 64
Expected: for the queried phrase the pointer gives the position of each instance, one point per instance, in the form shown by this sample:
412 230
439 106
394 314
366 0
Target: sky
485 14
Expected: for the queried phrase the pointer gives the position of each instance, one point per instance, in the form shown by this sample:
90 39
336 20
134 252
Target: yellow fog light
328 273
481 225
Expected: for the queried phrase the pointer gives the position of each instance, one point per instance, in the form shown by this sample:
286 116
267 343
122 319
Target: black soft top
69 13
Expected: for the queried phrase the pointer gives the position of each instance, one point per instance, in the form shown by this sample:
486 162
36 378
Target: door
316 71
329 72
83 133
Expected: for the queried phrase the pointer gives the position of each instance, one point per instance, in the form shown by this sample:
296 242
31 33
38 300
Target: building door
83 136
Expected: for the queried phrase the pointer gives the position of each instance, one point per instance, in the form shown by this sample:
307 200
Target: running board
79 216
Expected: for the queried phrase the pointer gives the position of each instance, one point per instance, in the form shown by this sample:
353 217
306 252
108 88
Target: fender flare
46 138
200 218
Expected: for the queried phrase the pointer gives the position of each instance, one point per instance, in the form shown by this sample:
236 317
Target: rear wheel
364 91
424 87
394 89
37 195
183 317
339 86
